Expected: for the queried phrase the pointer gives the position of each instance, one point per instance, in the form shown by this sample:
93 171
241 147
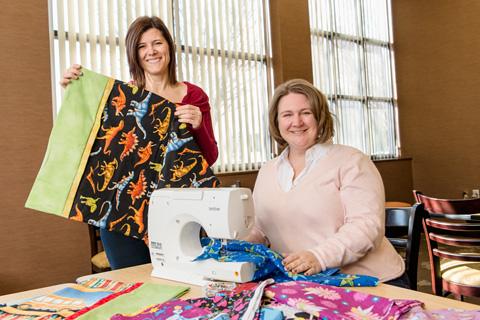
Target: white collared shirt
285 170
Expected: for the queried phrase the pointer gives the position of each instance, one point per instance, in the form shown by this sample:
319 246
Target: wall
240 179
37 249
436 49
291 50
397 179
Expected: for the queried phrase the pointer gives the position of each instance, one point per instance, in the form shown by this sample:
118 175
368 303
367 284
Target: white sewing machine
175 217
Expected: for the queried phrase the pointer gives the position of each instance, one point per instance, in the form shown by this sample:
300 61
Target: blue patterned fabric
270 314
269 264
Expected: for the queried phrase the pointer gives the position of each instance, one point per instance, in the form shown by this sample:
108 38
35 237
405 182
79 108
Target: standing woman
321 204
151 59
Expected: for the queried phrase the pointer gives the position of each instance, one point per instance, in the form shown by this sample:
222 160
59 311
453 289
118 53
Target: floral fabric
308 300
418 313
269 264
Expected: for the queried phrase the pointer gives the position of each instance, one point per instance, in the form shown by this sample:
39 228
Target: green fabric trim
67 143
147 295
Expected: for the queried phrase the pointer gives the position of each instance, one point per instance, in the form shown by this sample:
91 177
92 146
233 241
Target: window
353 61
222 46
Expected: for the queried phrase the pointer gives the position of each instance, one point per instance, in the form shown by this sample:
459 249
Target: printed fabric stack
93 298
294 300
288 300
266 300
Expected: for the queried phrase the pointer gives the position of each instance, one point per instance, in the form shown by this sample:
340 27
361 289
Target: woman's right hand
72 73
302 262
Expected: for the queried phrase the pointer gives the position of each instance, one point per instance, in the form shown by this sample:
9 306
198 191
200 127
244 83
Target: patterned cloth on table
269 264
91 299
111 146
243 302
418 313
64 302
308 300
146 295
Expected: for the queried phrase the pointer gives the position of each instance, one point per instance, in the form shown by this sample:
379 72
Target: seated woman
321 204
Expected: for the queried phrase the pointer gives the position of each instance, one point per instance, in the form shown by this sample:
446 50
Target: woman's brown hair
134 33
318 102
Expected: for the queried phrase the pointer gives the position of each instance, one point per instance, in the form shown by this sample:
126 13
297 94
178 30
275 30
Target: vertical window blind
222 45
353 62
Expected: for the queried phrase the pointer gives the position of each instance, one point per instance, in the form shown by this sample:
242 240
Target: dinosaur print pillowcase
134 145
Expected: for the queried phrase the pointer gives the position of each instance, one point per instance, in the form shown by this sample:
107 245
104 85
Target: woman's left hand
189 114
302 262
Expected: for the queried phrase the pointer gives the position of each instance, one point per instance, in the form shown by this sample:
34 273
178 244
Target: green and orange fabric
111 146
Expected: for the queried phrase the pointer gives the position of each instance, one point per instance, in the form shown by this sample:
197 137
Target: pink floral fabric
308 300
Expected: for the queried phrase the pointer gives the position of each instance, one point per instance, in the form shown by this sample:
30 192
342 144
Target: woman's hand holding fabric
189 114
302 262
72 73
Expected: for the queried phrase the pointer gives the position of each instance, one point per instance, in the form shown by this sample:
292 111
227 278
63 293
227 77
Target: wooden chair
403 226
448 206
452 232
98 258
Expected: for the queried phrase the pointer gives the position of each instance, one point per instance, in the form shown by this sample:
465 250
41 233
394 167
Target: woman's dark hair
134 33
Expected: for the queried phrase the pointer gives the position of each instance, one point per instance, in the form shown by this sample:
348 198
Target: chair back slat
453 225
451 206
454 241
468 257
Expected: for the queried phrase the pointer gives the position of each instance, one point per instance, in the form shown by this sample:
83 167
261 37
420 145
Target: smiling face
296 122
153 53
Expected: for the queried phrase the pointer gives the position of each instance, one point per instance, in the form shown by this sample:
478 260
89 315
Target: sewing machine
175 218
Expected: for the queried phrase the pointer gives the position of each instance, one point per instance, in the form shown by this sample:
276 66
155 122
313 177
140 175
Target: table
142 274
31 293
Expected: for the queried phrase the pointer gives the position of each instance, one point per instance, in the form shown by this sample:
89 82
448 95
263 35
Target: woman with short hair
320 204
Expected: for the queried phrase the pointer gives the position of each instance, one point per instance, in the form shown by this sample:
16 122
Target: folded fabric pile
128 302
308 300
269 264
107 299
64 302
91 299
417 313
288 300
